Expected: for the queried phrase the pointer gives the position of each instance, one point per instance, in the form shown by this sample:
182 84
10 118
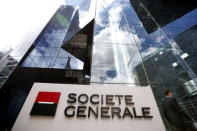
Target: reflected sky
118 24
82 5
115 64
84 15
118 33
178 26
48 52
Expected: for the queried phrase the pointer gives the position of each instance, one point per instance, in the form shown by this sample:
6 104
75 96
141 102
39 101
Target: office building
143 43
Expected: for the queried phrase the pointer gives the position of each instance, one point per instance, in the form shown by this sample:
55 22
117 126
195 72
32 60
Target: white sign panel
65 107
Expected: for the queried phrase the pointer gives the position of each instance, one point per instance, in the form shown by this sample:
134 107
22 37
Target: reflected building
178 73
149 43
7 65
163 12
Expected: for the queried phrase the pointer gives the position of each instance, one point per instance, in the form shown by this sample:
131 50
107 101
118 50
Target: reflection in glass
137 43
47 52
115 64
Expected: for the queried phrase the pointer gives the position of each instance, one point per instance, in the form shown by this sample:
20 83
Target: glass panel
119 33
83 15
169 64
48 45
76 64
61 63
28 61
108 11
115 64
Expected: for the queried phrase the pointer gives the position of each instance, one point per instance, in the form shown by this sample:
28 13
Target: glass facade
143 43
47 51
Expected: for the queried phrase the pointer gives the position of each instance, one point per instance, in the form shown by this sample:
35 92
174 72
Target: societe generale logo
45 104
